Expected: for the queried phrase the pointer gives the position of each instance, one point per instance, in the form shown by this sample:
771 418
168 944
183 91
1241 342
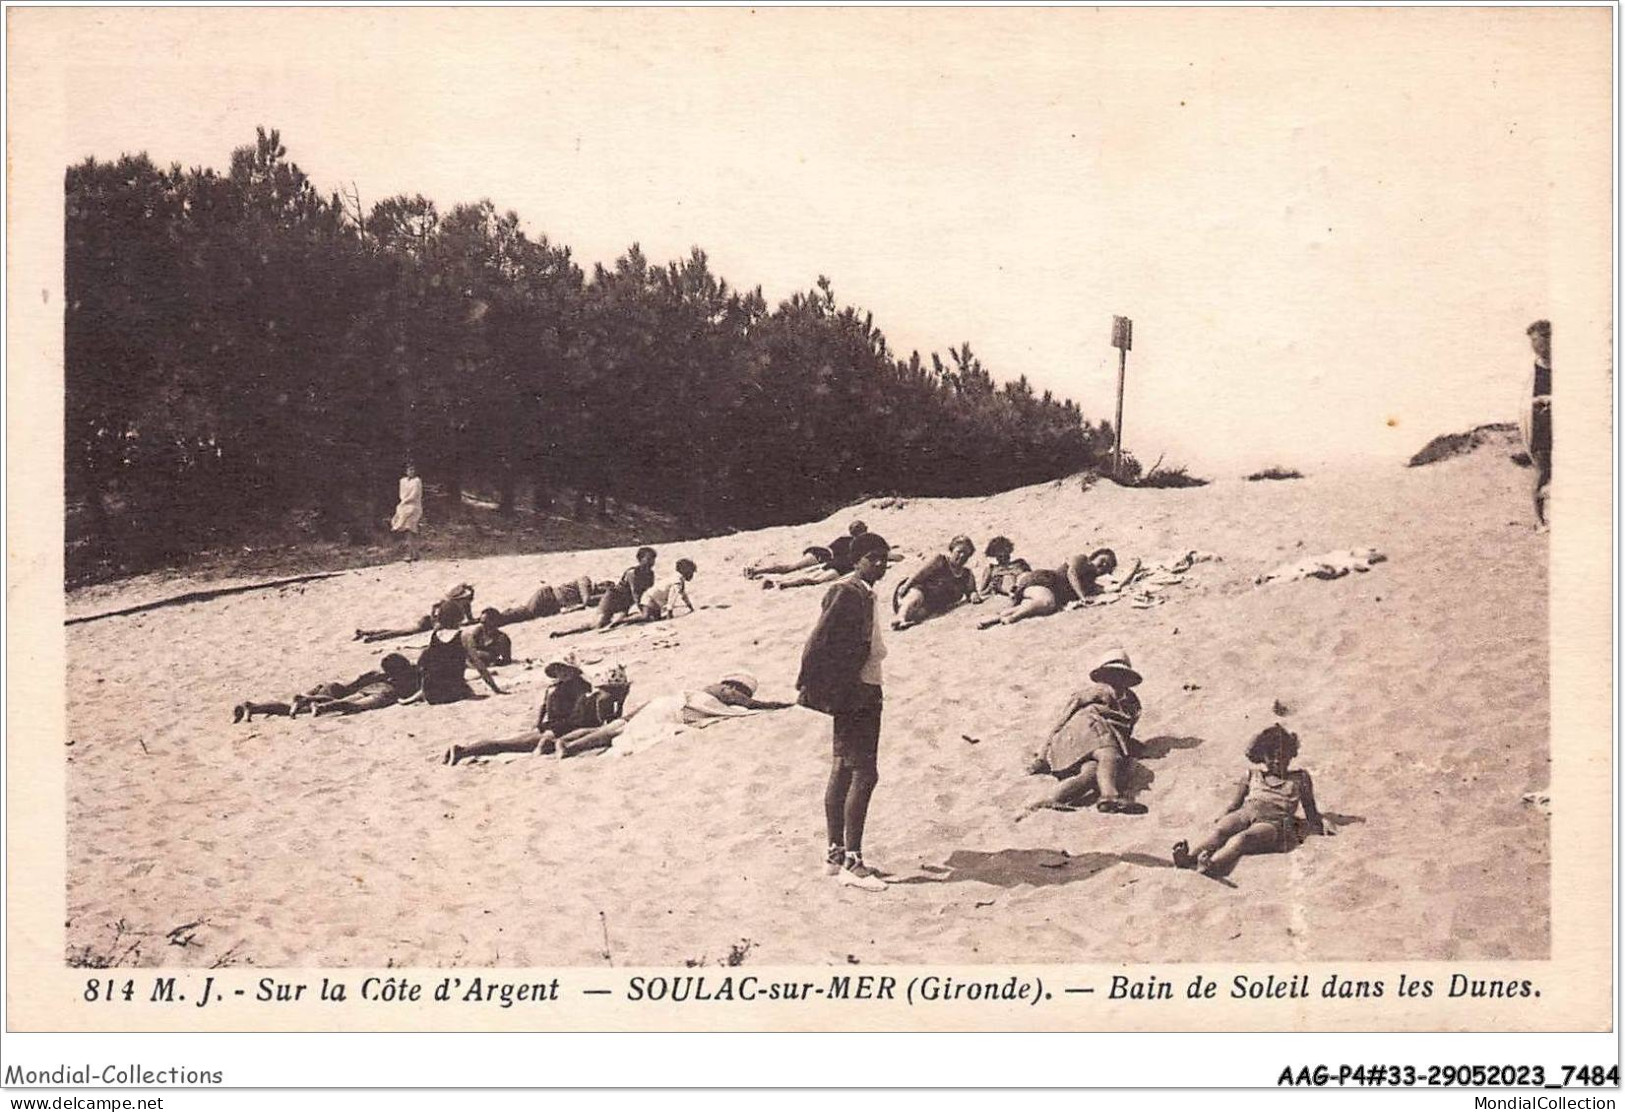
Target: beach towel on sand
1328 565
669 715
1146 583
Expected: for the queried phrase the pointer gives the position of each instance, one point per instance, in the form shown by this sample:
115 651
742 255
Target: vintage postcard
810 520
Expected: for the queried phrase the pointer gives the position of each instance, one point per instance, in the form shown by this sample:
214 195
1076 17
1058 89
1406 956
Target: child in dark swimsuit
622 597
1047 590
548 600
567 706
1261 815
457 605
816 556
394 679
943 583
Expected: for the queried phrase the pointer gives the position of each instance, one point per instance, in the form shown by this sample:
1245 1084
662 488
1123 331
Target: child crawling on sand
1260 817
1092 740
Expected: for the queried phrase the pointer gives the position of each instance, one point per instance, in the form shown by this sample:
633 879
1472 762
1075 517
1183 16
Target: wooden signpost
1122 340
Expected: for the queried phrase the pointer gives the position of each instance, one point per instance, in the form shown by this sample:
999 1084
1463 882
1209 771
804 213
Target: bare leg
1258 837
527 742
1223 829
577 742
245 711
911 609
1035 602
812 579
855 812
756 571
1069 792
1109 759
355 704
369 635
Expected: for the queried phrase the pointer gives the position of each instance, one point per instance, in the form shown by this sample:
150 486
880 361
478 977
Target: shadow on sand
1010 868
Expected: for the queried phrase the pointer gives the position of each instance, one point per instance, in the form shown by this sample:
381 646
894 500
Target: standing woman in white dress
409 511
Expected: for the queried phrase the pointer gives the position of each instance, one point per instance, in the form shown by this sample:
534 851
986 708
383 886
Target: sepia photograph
761 498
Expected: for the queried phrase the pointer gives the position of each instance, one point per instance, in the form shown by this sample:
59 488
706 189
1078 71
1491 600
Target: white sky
1328 225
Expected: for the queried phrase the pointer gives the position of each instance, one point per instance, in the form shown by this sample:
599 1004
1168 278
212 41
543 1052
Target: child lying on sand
733 696
1093 738
548 600
394 680
829 562
942 584
458 605
1045 591
821 565
1260 816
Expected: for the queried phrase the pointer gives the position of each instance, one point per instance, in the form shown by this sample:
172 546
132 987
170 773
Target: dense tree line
239 347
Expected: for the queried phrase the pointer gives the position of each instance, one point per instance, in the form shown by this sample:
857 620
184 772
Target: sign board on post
1122 340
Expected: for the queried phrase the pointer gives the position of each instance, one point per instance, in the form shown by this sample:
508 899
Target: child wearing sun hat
1092 738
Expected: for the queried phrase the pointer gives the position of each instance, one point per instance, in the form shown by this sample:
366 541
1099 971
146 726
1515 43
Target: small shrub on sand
1274 473
1460 443
1168 478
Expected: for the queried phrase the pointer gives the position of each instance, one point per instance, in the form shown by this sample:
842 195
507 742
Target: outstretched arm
485 673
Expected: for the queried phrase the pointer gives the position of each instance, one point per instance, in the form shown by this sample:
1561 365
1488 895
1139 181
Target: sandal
1181 855
1121 807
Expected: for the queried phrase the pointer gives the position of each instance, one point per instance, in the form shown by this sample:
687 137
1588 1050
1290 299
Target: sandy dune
1419 689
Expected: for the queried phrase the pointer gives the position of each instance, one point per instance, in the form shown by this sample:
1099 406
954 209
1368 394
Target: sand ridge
1419 689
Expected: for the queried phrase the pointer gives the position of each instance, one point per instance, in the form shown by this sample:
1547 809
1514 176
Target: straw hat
1115 665
742 679
614 676
563 666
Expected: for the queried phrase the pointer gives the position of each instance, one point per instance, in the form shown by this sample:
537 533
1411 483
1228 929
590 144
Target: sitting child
943 583
1092 741
486 642
1261 815
568 706
1003 569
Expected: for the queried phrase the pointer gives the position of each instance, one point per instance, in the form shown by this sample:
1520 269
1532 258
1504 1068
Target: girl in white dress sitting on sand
1261 816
